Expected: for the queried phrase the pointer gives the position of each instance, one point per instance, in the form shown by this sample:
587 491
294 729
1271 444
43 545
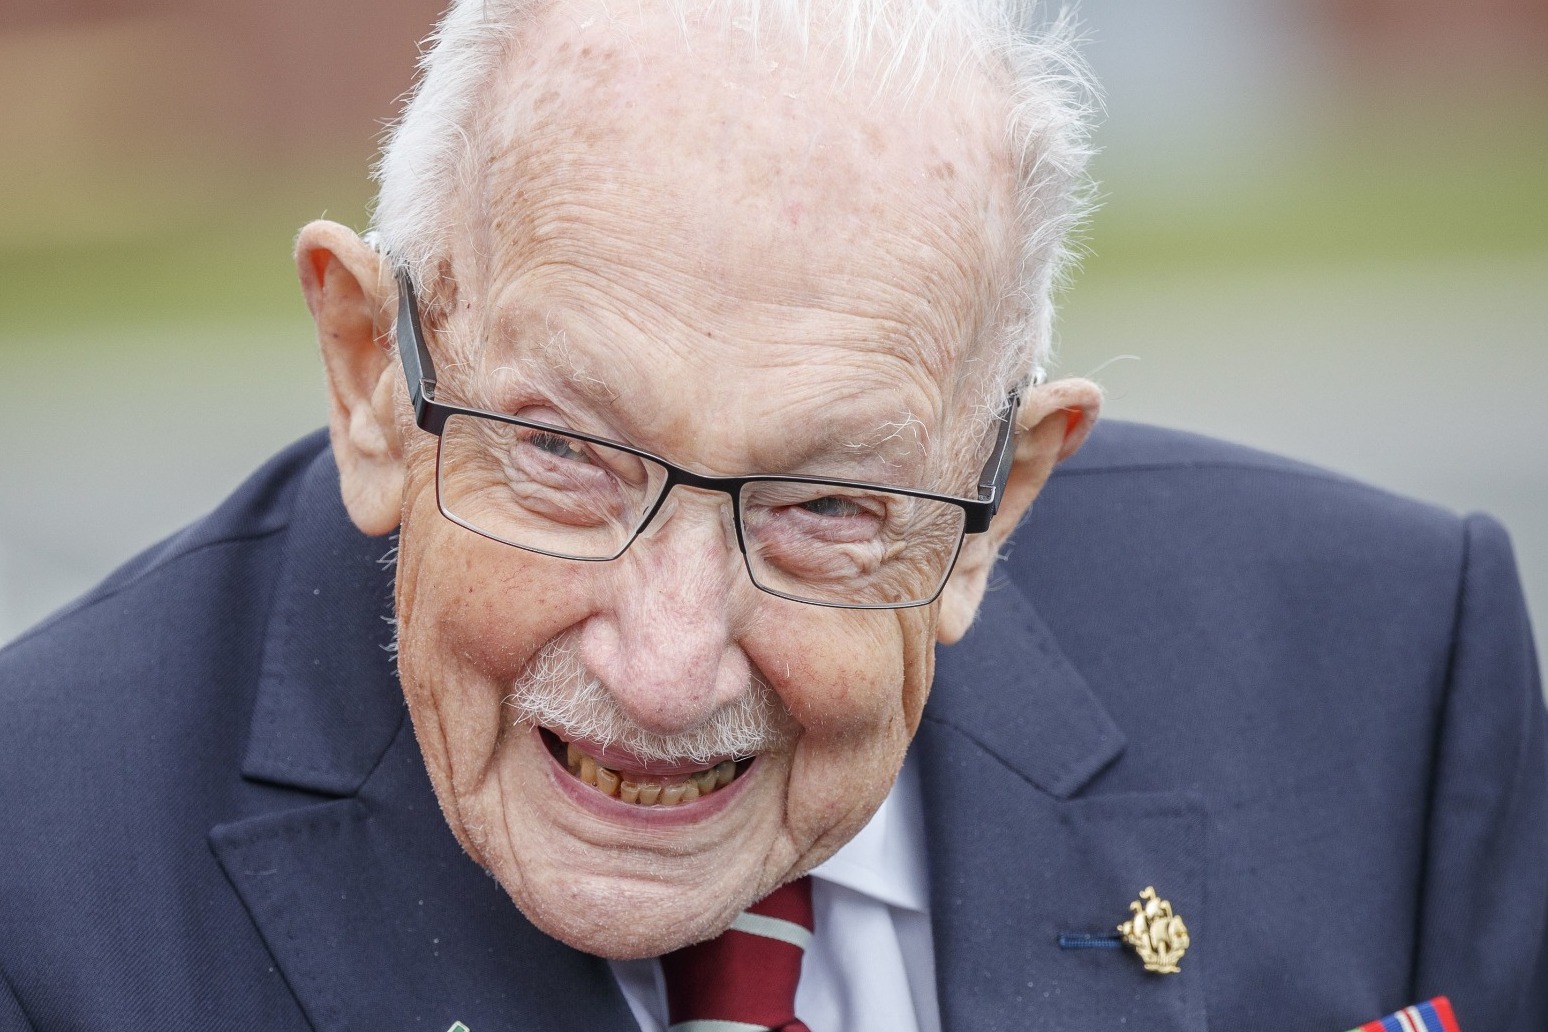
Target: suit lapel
1011 737
373 913
378 920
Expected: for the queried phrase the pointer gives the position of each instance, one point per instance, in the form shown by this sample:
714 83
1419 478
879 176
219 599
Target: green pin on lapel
458 1026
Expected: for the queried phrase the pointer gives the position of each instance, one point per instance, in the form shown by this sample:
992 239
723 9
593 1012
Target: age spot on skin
874 137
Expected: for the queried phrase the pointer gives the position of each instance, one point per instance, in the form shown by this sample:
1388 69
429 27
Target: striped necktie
745 979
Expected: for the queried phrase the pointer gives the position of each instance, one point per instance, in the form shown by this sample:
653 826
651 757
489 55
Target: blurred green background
1324 232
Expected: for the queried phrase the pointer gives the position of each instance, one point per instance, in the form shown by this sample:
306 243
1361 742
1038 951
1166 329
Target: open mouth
684 784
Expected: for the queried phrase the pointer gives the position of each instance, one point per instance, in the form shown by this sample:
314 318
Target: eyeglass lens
546 491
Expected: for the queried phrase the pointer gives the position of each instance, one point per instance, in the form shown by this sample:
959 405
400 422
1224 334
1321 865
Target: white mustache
556 691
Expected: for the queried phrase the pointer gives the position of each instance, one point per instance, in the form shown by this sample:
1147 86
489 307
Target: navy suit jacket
1305 710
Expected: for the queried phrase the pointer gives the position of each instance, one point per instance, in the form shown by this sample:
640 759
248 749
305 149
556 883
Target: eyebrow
856 453
574 389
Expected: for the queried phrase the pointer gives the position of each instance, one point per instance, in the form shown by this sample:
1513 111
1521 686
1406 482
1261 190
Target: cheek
845 682
847 675
480 604
471 613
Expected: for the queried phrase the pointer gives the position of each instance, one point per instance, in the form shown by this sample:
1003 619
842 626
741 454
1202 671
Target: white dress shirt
871 964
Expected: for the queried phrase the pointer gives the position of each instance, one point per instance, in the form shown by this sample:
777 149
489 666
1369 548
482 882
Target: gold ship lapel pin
1157 934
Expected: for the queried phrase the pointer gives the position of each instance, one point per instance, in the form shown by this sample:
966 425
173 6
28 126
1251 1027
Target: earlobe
1054 422
341 278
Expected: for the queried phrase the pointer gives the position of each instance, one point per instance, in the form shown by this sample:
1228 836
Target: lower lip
589 798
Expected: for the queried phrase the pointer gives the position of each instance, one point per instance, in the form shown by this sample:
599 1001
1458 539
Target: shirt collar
886 859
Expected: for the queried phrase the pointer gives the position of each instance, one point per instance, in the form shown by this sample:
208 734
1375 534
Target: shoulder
123 706
161 606
1133 457
1247 619
259 508
1156 498
1246 614
109 660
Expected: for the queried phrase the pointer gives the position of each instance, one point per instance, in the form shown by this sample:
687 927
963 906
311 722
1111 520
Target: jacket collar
1008 686
1023 848
328 702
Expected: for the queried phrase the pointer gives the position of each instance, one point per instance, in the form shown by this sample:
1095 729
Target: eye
832 505
558 446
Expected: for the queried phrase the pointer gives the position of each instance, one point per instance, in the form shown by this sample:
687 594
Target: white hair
431 159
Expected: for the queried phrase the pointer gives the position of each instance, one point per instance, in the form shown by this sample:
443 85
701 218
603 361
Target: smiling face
721 257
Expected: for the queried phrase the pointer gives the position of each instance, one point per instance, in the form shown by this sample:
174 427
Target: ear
342 278
1051 426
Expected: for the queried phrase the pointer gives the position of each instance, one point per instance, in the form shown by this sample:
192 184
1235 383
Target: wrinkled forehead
741 203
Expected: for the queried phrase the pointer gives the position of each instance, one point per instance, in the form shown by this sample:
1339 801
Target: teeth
647 793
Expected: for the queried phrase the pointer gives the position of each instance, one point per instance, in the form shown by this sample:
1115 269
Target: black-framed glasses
558 492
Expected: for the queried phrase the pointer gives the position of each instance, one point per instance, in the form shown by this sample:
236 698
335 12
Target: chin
625 881
619 920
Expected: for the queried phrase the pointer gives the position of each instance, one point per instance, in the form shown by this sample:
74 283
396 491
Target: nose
663 641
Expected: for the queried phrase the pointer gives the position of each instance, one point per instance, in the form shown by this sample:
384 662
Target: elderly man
695 358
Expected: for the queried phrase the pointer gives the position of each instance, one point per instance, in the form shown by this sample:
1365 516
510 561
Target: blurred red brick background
1438 40
277 79
284 79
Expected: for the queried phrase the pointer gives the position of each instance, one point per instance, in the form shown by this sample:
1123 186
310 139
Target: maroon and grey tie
745 979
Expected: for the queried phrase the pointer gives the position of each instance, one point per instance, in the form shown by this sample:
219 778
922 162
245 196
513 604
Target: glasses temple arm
418 369
991 483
